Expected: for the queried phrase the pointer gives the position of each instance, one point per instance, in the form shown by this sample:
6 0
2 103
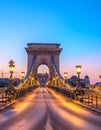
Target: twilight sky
75 24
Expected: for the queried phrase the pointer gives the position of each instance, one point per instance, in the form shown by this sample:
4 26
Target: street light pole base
80 90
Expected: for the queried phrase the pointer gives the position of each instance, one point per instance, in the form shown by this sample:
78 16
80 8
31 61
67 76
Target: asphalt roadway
43 109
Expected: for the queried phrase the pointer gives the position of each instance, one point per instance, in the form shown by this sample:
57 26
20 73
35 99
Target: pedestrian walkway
4 106
87 106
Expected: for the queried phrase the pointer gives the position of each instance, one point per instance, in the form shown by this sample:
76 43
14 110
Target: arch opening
43 74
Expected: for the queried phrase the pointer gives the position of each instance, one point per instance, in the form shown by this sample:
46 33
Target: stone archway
43 62
43 53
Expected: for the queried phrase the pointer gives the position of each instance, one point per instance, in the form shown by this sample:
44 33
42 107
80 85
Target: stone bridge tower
43 53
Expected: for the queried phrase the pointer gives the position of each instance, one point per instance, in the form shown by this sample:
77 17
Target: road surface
44 109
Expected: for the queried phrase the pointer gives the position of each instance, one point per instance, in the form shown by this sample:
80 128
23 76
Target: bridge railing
8 94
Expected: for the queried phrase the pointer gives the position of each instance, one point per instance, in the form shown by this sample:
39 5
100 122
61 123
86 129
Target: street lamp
56 78
11 67
100 83
65 76
22 74
78 70
29 79
32 81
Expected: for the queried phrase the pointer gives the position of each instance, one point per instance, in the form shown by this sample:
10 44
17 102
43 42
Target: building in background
43 78
4 82
84 82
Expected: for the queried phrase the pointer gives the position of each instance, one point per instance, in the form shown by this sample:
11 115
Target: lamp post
22 75
11 67
100 83
56 78
53 82
65 76
30 79
78 70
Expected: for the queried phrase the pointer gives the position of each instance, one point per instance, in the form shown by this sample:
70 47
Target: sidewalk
3 107
86 106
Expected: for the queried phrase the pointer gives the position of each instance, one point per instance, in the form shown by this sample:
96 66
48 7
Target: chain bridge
53 103
39 54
